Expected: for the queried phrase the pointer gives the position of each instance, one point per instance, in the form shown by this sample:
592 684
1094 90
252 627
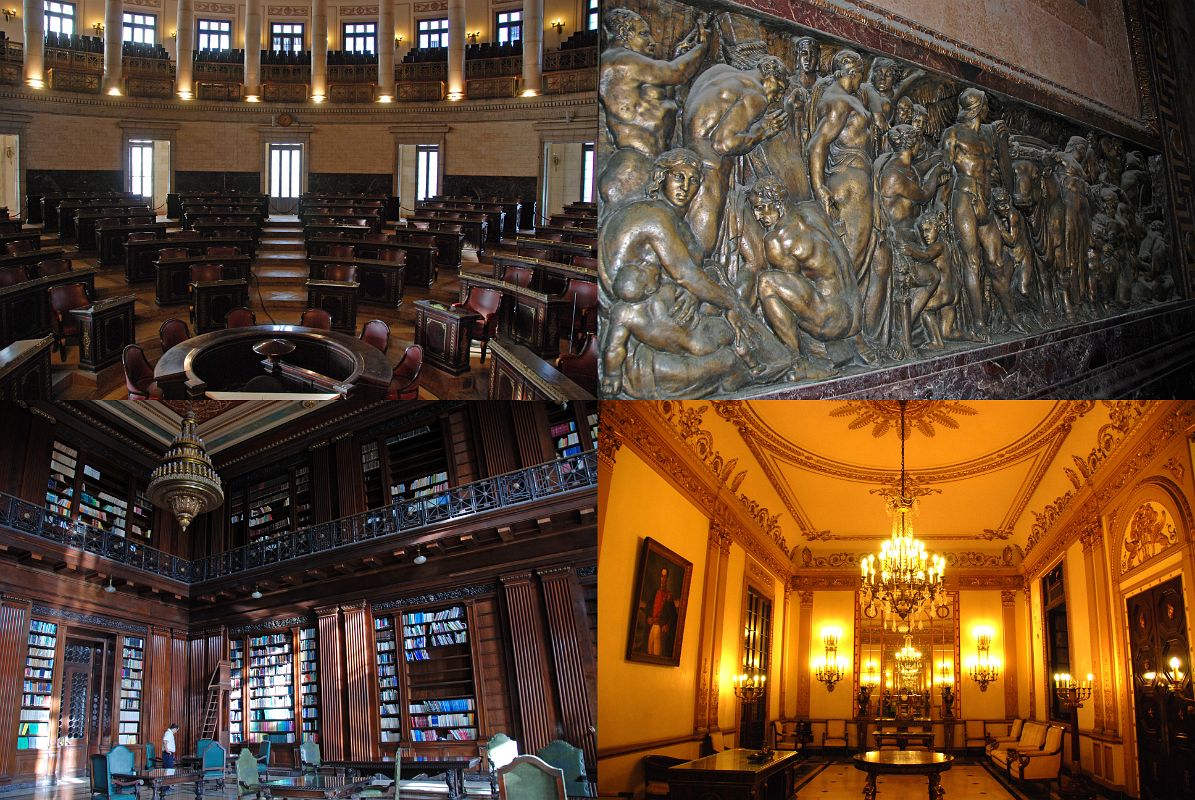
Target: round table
903 762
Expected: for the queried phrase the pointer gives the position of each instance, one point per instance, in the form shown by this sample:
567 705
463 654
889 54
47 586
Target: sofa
1035 756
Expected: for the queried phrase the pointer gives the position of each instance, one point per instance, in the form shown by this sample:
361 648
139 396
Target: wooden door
757 638
1164 708
75 709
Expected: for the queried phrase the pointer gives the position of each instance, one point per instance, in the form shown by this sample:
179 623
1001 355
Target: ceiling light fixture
110 588
185 483
420 557
908 578
256 595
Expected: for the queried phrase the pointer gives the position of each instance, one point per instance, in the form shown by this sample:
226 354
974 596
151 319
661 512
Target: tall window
757 650
510 26
433 32
215 34
139 28
587 166
427 171
361 37
1058 651
286 36
591 17
141 167
285 178
59 17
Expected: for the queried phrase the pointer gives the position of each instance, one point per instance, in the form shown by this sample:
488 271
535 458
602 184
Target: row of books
263 726
35 715
441 720
432 735
419 617
434 627
271 713
442 705
36 700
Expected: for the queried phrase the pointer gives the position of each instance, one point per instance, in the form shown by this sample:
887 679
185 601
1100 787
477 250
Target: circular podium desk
222 365
903 762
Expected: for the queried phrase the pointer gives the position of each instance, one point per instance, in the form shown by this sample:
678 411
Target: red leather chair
378 237
404 384
342 251
581 368
222 250
345 273
316 318
172 332
13 248
138 374
53 266
486 302
519 276
583 295
392 255
12 275
377 333
240 318
62 300
206 272
589 262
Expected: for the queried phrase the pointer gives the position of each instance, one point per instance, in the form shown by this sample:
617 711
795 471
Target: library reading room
205 199
298 600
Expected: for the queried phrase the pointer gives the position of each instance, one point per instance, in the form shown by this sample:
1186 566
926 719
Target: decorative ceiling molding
1011 556
643 427
920 415
1041 445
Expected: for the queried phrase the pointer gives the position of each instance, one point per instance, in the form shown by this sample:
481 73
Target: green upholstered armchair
213 764
571 761
121 762
309 758
499 751
151 758
248 782
530 778
263 758
99 775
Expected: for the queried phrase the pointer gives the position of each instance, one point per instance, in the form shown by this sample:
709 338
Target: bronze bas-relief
776 209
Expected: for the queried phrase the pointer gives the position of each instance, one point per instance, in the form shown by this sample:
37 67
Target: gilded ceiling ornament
922 415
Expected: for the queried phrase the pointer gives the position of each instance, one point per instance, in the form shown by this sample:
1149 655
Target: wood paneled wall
14 633
333 721
361 681
493 686
572 658
535 696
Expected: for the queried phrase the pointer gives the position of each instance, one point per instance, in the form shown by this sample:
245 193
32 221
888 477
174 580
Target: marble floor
961 782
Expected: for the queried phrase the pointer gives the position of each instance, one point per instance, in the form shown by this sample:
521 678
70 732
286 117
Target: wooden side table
443 332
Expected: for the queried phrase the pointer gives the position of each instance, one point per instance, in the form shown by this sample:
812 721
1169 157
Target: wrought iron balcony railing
403 519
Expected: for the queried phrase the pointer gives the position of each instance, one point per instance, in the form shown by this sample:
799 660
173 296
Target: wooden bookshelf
80 488
309 681
271 688
566 433
271 506
132 671
141 516
236 721
405 466
60 488
33 726
389 708
441 699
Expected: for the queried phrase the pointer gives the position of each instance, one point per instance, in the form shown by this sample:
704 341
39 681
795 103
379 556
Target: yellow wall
981 609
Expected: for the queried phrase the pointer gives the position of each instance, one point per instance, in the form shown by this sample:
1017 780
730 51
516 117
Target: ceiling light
185 482
420 558
256 595
110 588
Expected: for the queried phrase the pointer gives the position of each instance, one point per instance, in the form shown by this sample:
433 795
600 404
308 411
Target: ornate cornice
91 620
272 625
444 596
608 444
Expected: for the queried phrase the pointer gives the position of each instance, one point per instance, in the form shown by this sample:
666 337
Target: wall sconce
473 37
1072 693
749 688
983 668
98 28
174 35
558 24
946 685
9 14
828 669
398 41
868 680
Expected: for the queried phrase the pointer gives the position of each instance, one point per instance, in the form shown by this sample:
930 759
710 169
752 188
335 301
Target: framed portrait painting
658 607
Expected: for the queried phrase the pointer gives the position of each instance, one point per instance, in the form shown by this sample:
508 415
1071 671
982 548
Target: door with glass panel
286 177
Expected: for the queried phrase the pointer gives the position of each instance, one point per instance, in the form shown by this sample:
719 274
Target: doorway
10 173
757 650
1162 701
85 710
569 175
286 177
149 170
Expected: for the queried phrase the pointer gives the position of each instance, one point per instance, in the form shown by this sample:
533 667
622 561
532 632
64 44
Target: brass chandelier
906 579
186 483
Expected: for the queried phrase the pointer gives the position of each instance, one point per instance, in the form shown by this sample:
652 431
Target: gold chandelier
908 660
186 483
907 578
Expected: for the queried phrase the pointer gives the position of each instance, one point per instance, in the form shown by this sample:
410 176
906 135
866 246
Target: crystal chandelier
907 579
908 660
186 483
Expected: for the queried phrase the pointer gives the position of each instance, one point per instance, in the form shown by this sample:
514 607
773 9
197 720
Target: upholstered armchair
974 734
172 332
519 276
239 318
784 735
581 368
1040 765
343 273
486 302
377 333
316 318
62 300
139 374
835 735
53 266
404 384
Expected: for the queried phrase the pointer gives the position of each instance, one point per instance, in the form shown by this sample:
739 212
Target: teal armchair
201 747
120 761
99 775
309 757
499 751
263 758
151 758
248 781
571 761
213 763
530 778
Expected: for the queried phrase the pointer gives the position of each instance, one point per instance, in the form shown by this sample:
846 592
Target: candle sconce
1071 693
983 668
829 669
9 14
749 688
558 24
98 28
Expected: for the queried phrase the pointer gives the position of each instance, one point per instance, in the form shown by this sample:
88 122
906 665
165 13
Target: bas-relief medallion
778 209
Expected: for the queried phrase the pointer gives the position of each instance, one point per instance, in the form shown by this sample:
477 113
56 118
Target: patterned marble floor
961 782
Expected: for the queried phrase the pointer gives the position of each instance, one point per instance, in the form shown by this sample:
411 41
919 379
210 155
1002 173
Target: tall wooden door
1165 710
84 704
757 649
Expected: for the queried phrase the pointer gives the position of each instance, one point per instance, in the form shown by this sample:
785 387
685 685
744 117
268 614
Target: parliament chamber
181 170
321 600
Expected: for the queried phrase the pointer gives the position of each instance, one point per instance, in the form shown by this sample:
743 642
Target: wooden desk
527 317
139 256
351 234
420 259
257 218
159 780
495 215
559 251
516 373
218 229
448 244
25 307
319 787
453 768
107 326
212 300
112 239
68 210
87 225
443 332
475 229
730 776
381 281
25 370
339 299
32 257
551 277
174 275
903 762
349 218
33 237
569 234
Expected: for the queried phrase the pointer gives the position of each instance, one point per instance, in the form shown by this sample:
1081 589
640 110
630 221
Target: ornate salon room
884 599
349 601
896 198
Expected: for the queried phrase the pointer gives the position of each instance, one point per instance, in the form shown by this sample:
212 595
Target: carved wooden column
530 662
361 681
709 655
1008 599
492 423
348 474
14 638
804 637
34 22
184 49
113 46
576 679
331 683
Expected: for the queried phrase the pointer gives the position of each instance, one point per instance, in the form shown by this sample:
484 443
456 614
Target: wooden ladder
217 693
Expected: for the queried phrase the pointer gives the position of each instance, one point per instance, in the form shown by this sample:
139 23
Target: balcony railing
403 519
